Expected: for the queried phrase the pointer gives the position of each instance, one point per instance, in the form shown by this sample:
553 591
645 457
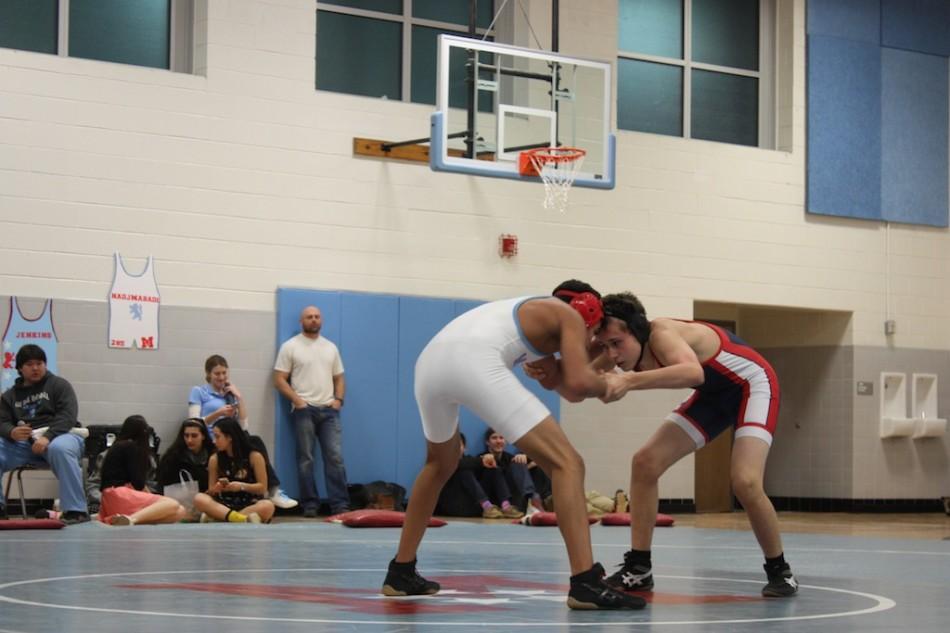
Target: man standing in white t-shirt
309 373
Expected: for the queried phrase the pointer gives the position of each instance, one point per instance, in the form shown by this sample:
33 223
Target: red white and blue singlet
740 390
22 331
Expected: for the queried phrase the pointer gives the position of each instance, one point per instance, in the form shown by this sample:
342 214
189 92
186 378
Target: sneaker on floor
492 512
204 518
402 579
310 513
282 501
72 517
590 591
632 576
511 512
121 519
782 583
253 517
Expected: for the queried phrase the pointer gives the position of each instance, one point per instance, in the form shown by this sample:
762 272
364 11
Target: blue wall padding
858 20
915 116
916 25
844 127
380 337
370 350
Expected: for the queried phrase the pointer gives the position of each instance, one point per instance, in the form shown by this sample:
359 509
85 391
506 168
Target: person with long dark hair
237 477
125 498
189 452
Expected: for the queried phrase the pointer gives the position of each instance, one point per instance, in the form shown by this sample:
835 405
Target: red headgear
587 305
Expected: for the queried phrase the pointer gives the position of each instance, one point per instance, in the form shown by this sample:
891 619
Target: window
153 33
698 69
389 48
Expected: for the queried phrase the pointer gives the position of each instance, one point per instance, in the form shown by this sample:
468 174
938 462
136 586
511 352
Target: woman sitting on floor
237 477
190 452
125 498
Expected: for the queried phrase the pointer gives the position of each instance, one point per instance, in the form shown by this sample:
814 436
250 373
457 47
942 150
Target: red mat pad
376 518
31 524
545 519
623 518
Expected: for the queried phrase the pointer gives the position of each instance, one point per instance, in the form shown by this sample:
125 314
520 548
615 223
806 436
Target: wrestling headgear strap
587 305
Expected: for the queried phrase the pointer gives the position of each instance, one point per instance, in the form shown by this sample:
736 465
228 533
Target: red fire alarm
507 245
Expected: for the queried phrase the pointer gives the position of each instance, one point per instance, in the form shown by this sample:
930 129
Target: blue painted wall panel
290 302
844 127
915 118
419 320
369 346
858 20
916 25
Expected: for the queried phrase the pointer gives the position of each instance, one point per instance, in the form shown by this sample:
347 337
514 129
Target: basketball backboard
520 99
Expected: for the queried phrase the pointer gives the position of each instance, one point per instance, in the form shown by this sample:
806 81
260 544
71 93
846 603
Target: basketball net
557 168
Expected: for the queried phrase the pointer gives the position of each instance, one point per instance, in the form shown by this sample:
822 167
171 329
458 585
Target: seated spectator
220 398
237 477
37 415
524 478
500 474
190 452
462 495
126 499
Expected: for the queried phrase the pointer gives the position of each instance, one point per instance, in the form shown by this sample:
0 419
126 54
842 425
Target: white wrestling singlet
133 307
470 363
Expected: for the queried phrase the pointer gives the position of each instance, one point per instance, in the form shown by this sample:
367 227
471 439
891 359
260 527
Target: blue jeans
62 455
323 424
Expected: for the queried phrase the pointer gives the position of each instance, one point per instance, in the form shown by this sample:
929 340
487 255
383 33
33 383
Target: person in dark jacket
189 452
462 495
36 416
125 498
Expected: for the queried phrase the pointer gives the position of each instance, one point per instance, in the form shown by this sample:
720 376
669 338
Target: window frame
767 97
180 37
407 22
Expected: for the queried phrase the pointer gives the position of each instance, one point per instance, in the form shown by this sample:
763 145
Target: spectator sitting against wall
496 476
37 415
126 500
189 452
219 398
462 495
237 477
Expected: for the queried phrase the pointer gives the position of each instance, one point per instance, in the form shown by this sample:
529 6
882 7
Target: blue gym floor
314 576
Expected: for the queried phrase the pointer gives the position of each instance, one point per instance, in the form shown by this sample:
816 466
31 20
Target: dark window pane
345 61
454 11
725 108
651 27
383 6
29 25
650 97
120 31
726 33
425 57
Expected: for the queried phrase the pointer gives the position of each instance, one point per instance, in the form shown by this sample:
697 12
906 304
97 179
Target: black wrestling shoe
402 579
590 591
632 576
782 583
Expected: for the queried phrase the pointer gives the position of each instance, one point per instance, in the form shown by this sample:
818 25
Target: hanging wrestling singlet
22 331
133 307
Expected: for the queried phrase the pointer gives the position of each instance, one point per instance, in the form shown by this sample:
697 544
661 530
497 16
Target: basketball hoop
557 167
